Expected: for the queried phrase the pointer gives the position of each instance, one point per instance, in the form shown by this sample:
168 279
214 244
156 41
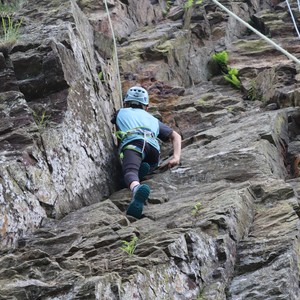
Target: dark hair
134 105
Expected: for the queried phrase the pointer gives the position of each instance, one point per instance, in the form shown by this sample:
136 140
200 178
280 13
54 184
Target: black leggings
132 160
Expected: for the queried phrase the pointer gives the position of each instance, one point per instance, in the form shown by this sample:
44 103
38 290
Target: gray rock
224 224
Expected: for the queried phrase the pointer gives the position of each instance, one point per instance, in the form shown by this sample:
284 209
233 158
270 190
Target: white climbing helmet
137 94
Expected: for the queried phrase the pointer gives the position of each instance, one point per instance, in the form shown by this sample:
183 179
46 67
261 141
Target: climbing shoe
144 170
141 194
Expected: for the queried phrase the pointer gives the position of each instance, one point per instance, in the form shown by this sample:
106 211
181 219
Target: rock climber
138 133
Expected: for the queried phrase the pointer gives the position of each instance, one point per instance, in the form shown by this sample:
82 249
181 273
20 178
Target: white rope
298 1
292 16
290 56
115 52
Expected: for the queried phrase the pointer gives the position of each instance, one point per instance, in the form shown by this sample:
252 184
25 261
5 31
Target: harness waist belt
135 131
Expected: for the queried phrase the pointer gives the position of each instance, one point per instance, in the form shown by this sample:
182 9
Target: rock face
56 138
222 225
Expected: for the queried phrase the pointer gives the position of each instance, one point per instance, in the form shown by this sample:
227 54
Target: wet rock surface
222 225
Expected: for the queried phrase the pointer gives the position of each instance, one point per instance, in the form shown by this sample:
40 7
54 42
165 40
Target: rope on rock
290 56
115 52
292 16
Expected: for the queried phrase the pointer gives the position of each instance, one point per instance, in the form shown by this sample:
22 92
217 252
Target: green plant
231 74
129 247
9 8
101 77
230 108
169 3
167 8
201 101
252 92
232 77
10 29
40 120
190 3
222 59
196 208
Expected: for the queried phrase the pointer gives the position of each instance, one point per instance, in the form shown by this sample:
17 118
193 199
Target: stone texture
222 225
56 139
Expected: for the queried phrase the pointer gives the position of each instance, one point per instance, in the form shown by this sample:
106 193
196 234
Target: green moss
253 46
204 98
201 101
190 3
230 108
164 47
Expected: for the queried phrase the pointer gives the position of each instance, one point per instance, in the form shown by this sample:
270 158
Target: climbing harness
131 147
292 16
115 50
290 56
138 131
145 132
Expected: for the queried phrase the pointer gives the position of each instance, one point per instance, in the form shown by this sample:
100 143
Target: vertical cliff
222 225
57 151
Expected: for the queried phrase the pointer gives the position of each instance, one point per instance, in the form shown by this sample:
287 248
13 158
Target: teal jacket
137 124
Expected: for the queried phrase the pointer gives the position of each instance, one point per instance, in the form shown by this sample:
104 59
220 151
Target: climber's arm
168 134
176 141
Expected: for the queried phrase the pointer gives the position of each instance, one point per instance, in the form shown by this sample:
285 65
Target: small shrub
129 247
196 208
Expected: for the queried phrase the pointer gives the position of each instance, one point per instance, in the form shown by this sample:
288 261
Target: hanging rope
292 16
115 52
290 56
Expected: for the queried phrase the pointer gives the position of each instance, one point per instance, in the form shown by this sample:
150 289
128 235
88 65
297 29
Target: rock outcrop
222 225
56 140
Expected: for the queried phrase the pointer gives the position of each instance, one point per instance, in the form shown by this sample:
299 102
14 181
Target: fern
232 77
233 71
221 58
129 247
